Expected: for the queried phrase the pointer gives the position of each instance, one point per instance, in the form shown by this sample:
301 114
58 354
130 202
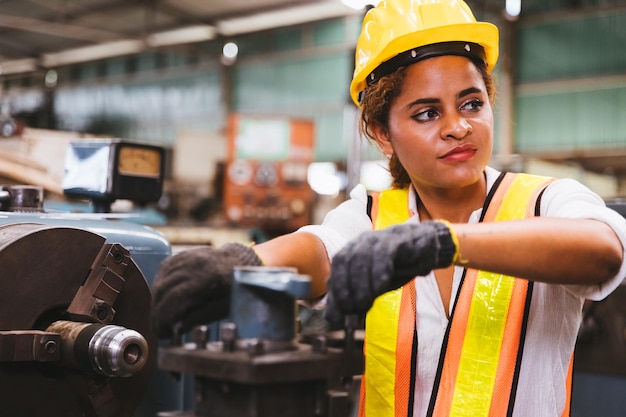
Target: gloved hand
193 286
380 261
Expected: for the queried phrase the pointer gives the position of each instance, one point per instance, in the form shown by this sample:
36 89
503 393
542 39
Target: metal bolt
201 336
319 344
50 346
118 257
255 347
228 335
102 311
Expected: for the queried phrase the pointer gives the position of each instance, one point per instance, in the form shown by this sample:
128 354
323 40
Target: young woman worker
473 280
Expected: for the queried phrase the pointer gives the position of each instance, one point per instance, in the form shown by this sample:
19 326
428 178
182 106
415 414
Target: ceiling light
513 8
229 53
230 50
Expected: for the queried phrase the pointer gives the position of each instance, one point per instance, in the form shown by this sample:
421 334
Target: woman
473 281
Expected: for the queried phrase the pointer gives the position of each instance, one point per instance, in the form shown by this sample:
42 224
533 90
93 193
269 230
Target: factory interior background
560 81
249 101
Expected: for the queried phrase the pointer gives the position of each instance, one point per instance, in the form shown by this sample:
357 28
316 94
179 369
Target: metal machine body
258 367
75 336
40 299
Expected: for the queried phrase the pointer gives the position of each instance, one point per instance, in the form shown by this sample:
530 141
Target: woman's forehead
434 73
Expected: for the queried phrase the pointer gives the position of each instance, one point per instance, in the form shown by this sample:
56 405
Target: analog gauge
266 174
240 172
139 161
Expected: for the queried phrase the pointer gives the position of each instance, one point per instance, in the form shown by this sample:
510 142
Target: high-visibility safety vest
483 344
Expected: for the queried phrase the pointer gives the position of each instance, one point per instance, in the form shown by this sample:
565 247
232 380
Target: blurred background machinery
266 182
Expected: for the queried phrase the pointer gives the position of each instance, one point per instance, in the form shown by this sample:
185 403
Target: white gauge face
240 172
266 174
139 161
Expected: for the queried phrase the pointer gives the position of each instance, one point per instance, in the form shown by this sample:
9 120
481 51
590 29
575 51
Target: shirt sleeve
568 198
343 223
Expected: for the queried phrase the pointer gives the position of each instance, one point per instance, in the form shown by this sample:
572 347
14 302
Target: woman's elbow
611 258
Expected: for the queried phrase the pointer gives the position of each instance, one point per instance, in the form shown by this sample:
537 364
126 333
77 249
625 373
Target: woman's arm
311 248
300 250
553 250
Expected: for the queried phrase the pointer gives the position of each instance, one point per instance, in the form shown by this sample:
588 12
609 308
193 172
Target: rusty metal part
45 270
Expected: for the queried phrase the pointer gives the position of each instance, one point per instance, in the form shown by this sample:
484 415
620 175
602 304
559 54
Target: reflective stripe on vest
386 393
480 368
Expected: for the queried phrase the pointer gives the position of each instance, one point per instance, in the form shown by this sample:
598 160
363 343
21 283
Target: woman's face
441 124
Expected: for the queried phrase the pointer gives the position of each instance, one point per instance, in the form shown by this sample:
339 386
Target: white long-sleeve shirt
555 312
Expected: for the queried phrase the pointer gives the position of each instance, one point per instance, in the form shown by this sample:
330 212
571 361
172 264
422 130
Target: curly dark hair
375 105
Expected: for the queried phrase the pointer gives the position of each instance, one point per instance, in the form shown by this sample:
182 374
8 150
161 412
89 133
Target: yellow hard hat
400 32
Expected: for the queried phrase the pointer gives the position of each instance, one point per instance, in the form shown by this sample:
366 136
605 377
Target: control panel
266 172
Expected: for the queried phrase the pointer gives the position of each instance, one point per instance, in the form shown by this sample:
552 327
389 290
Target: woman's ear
381 136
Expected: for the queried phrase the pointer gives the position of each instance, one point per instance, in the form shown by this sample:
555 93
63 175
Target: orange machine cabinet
266 172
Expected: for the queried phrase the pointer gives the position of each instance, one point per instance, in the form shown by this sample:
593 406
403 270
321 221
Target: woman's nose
456 127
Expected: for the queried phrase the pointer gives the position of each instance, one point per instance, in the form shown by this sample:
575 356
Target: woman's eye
426 115
473 105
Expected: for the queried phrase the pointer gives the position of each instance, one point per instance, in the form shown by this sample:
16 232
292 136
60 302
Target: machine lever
29 346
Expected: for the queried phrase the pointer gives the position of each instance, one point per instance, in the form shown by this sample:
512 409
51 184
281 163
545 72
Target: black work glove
193 286
380 261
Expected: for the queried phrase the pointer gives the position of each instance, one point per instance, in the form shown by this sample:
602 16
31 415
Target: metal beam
60 30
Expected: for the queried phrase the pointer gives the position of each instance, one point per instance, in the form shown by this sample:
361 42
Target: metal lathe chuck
75 338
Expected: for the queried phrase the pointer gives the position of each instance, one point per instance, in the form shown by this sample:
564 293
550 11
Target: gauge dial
240 172
266 174
138 161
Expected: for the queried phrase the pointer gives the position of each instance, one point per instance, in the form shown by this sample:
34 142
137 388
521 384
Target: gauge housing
113 169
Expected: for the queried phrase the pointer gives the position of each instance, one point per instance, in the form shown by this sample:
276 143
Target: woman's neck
453 205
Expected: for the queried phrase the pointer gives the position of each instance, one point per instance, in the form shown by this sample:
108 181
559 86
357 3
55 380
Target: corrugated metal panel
578 47
567 121
286 39
330 32
280 85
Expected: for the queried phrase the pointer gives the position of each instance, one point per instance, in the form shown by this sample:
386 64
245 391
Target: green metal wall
571 82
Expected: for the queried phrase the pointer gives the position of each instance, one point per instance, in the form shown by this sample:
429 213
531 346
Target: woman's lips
460 153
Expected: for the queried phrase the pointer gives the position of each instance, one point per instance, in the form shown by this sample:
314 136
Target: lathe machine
75 337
